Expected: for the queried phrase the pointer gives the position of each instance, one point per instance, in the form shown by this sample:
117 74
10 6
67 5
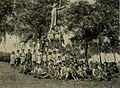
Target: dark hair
18 50
13 52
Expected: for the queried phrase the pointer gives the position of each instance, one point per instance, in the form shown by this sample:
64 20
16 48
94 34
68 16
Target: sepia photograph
59 44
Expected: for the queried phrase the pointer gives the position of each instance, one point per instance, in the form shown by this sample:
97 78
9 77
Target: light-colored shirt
50 57
39 57
54 56
63 58
39 70
34 57
23 56
95 72
57 36
58 61
12 58
44 58
50 36
17 55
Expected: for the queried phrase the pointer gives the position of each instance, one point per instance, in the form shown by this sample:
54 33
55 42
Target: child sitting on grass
35 70
22 67
70 72
51 70
62 70
27 68
73 72
80 72
106 72
95 72
40 71
56 71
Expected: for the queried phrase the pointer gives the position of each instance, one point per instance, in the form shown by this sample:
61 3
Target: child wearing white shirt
12 59
39 56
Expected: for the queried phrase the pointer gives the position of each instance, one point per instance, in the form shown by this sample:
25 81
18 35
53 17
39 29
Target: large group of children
59 65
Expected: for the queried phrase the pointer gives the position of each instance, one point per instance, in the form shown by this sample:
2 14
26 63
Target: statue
54 15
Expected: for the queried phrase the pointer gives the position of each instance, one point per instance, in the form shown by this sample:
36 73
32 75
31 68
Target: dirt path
10 78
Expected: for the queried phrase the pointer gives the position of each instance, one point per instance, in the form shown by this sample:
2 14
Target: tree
32 19
94 22
6 9
109 36
82 19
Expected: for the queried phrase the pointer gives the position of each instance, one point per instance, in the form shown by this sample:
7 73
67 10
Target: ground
10 78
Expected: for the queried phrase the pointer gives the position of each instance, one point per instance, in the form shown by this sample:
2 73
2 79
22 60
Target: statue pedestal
55 39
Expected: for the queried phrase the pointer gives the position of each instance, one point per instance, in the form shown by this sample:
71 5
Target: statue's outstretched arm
62 7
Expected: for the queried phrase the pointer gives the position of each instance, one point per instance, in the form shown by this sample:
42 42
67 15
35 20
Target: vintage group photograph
59 44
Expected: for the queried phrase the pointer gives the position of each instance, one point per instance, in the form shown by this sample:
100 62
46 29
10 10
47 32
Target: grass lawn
10 78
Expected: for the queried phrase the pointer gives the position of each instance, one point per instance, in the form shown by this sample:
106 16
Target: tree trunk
99 49
86 51
100 57
100 54
39 39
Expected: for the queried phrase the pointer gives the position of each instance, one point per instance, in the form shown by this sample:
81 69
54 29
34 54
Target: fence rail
4 57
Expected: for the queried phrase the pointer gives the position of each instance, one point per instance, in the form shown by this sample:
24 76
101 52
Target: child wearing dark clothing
27 69
106 72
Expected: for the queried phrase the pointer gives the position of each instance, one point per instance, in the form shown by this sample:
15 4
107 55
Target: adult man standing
28 57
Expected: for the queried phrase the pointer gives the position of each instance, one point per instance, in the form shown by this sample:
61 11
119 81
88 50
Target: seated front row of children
74 70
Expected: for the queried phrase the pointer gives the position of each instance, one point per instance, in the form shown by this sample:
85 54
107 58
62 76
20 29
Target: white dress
12 59
44 58
39 57
34 57
23 57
